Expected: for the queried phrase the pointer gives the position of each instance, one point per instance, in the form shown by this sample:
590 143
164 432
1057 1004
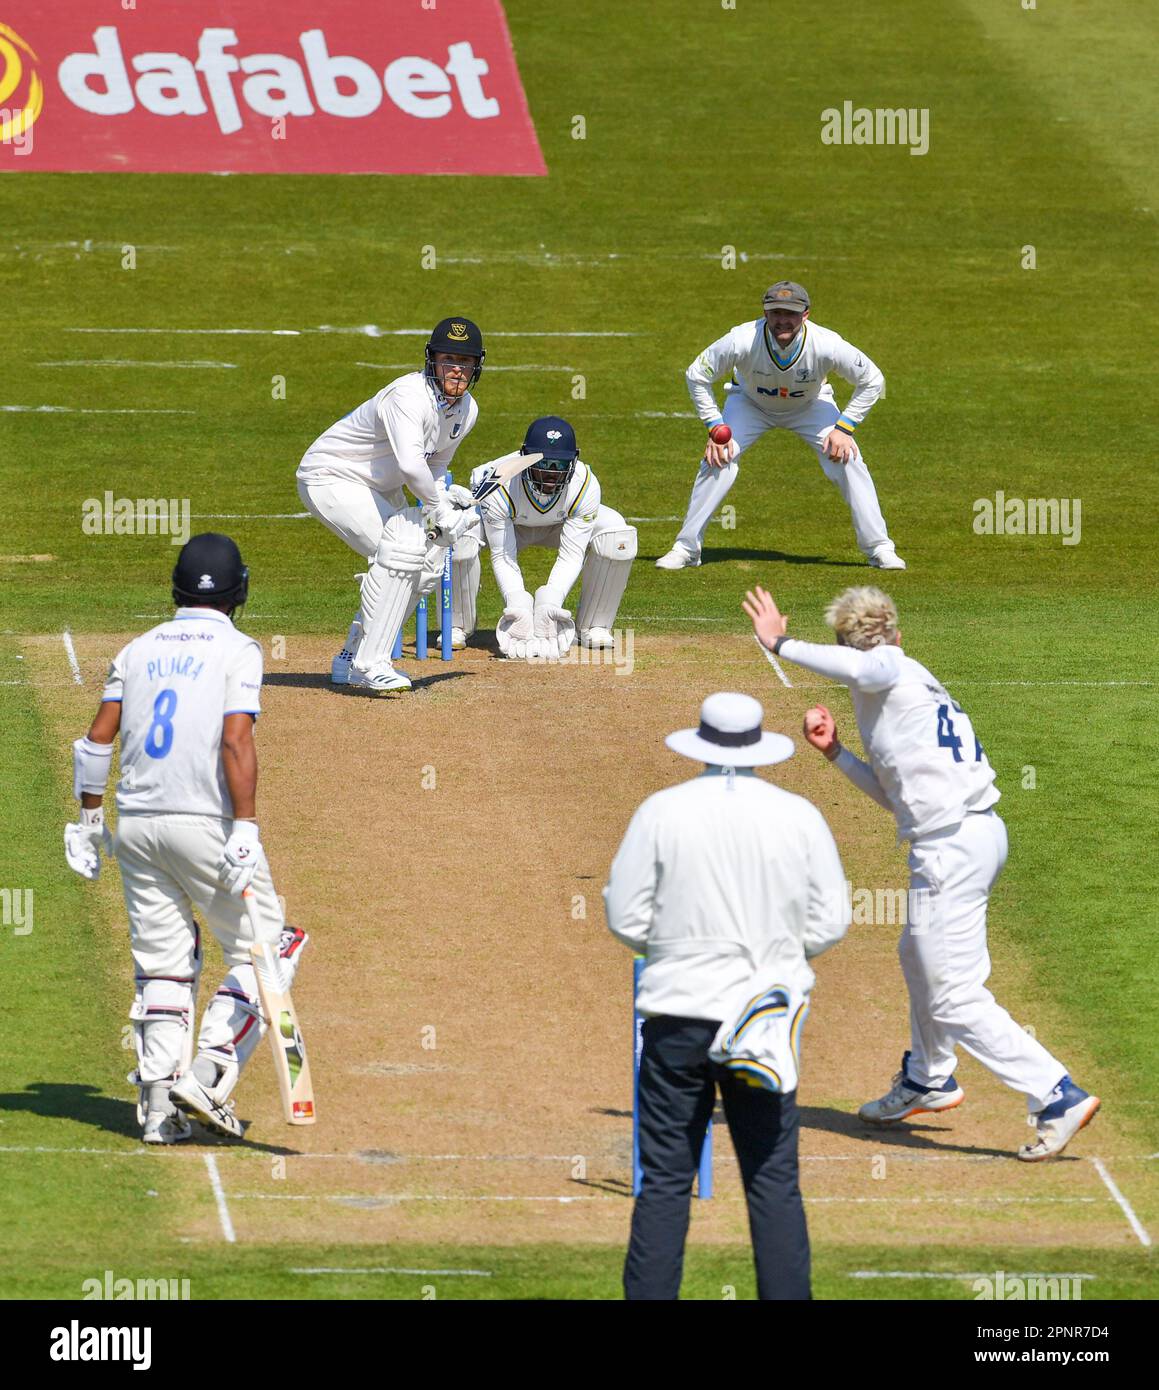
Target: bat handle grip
249 902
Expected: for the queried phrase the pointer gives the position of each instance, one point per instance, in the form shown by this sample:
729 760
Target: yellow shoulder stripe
572 509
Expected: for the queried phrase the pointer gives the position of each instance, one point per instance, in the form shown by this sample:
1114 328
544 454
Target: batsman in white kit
555 502
184 697
352 477
778 367
926 765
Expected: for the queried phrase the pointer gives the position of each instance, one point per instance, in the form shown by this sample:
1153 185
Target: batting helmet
459 336
209 570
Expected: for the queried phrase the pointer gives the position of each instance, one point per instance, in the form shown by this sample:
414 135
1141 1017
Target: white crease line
124 362
773 662
886 1150
1132 1220
219 1197
258 332
248 516
389 1198
958 1201
1095 684
384 1269
933 1274
49 1149
83 410
87 245
70 652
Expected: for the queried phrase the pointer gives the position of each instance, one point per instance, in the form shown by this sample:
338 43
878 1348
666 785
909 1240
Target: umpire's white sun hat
730 735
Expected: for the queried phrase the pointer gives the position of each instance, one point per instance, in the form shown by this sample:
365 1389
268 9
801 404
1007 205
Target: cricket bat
502 471
290 1061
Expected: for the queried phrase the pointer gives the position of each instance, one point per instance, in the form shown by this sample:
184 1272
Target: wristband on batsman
90 767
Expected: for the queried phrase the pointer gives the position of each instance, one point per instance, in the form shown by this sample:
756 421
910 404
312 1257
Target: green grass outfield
723 1273
703 132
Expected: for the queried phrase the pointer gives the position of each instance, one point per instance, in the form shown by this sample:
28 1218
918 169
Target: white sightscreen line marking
387 1269
90 410
368 330
518 367
123 362
934 1274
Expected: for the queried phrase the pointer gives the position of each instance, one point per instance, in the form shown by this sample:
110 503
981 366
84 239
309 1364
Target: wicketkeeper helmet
554 438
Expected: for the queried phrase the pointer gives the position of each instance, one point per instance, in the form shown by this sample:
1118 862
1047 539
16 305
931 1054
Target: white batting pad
605 577
391 587
466 573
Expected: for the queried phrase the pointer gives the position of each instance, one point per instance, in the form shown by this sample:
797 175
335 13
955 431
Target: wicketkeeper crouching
553 503
184 698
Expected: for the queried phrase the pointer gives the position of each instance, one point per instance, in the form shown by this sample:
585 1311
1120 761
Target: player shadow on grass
906 1136
720 555
319 680
69 1101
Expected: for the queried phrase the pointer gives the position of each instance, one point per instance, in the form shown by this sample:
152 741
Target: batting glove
84 840
240 859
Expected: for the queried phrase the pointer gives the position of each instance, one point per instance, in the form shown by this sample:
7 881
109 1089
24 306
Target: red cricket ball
720 434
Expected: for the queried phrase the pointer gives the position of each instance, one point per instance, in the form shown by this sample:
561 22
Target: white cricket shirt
782 383
719 875
574 509
175 684
406 435
926 764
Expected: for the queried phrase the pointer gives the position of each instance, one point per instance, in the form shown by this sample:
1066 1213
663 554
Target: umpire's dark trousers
677 1092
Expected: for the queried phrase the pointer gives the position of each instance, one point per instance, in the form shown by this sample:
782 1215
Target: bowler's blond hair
863 618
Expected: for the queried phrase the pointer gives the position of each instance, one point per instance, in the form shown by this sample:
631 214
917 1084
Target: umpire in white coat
727 885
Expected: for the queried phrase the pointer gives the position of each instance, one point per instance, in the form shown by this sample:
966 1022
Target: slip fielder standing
778 365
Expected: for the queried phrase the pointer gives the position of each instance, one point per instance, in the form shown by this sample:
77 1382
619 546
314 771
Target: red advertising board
249 86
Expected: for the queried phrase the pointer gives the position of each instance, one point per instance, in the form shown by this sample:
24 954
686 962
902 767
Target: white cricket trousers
168 869
357 514
748 422
946 964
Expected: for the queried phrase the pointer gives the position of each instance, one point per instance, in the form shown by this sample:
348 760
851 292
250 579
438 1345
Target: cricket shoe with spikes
907 1098
677 559
166 1127
598 638
340 668
1069 1110
160 1120
379 680
885 557
191 1097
